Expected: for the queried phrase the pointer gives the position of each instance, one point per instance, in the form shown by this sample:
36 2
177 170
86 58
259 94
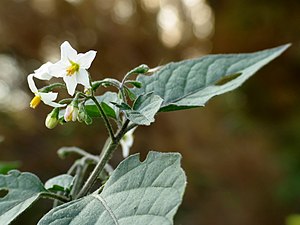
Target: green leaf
92 110
134 83
23 190
62 182
130 94
123 106
191 83
7 166
148 192
105 101
144 109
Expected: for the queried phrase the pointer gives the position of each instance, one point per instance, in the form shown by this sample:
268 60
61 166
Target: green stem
104 158
54 196
80 174
98 168
106 121
52 86
70 172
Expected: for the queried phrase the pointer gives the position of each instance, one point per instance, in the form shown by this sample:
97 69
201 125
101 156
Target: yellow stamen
73 68
35 101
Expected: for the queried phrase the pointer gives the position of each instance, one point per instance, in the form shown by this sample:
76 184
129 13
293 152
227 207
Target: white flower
47 98
42 73
72 67
126 142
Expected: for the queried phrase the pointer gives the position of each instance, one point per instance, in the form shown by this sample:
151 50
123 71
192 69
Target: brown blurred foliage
240 152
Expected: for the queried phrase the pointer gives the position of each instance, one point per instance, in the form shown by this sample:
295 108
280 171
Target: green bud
82 114
52 119
140 69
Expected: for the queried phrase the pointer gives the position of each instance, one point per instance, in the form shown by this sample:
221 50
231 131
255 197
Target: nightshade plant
135 192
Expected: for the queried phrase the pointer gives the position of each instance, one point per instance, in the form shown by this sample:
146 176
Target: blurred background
241 152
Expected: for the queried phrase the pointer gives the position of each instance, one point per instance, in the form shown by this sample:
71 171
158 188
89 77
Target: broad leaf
23 190
62 182
144 109
191 83
105 101
148 192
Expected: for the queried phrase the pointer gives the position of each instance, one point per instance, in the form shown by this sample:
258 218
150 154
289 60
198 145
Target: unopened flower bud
52 118
71 112
81 113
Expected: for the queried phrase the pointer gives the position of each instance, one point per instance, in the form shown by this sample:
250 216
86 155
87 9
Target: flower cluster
72 67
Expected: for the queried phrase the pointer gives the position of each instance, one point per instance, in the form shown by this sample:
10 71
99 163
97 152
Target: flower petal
42 73
125 149
127 142
58 69
82 77
71 83
48 99
85 60
67 52
31 83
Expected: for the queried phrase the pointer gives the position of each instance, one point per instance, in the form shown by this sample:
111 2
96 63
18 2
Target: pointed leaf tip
191 83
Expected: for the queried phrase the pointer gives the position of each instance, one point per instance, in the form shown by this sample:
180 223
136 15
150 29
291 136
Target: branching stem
105 156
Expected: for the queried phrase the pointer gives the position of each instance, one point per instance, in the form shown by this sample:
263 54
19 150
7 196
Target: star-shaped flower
47 98
72 67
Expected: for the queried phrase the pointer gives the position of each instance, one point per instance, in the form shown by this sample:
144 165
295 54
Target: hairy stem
55 196
80 174
104 158
98 168
106 121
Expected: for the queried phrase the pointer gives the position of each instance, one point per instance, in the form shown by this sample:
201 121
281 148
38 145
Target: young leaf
191 83
62 182
23 190
144 109
148 192
130 94
134 83
109 109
